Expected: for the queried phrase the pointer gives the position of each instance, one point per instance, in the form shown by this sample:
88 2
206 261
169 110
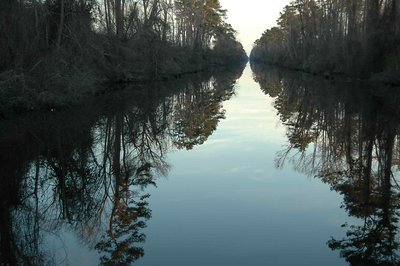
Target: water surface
264 167
225 202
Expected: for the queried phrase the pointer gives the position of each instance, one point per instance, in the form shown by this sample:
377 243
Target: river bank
60 53
64 79
390 78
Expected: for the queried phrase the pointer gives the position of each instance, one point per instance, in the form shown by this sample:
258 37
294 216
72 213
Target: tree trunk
352 20
119 19
60 26
106 14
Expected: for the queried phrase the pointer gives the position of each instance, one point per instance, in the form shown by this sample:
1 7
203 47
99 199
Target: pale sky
252 17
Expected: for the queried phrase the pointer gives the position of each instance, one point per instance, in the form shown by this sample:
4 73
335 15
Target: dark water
263 167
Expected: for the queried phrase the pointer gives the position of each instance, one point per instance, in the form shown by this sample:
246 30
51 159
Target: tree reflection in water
86 171
347 135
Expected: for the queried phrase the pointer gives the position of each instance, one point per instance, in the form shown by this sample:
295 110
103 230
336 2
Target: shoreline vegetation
59 53
357 39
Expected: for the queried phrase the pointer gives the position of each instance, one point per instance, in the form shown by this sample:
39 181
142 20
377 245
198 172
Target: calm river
238 167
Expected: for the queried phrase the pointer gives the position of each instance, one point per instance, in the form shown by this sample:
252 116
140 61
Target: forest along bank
353 38
56 53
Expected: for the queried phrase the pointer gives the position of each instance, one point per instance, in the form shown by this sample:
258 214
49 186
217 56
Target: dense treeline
354 37
53 51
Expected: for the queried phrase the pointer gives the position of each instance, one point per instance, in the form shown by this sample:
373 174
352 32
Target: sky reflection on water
225 203
280 169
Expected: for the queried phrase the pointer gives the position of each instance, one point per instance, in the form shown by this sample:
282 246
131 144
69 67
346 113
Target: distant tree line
355 37
55 46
